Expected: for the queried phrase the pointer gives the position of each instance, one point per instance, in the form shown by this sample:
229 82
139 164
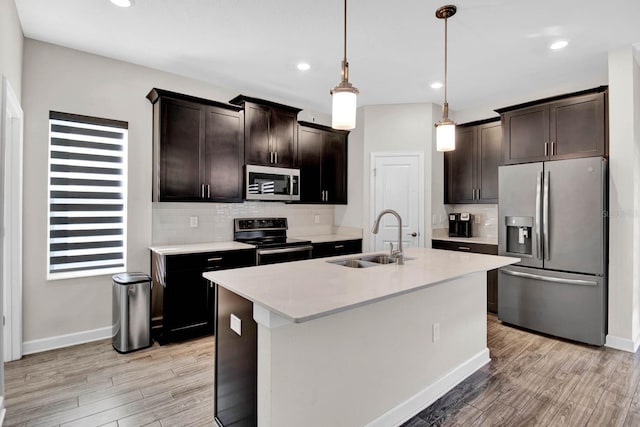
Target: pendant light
445 128
343 111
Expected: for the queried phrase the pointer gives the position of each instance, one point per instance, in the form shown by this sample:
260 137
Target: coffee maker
460 224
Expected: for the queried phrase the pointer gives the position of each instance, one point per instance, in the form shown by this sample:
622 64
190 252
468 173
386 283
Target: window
87 196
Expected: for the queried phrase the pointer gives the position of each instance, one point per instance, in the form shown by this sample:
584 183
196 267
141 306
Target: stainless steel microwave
269 183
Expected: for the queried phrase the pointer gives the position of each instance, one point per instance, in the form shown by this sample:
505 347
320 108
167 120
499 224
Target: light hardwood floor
531 380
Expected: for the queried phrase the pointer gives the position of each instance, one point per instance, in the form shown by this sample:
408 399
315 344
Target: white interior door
13 119
397 182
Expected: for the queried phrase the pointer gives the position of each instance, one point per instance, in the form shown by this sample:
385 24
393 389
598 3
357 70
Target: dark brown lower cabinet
341 247
236 362
492 275
188 299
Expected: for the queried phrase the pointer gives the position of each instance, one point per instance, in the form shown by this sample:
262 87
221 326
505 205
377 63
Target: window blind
87 195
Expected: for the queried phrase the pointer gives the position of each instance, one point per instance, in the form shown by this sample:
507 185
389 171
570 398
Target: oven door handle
284 250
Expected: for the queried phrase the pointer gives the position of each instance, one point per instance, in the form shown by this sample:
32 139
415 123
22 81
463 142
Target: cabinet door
489 158
187 310
309 162
578 127
181 136
334 168
526 135
223 153
256 138
460 168
342 247
283 137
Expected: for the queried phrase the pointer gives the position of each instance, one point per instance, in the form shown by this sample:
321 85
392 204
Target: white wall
61 79
385 128
624 200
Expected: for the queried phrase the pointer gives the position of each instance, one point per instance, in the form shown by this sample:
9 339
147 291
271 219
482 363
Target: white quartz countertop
478 240
325 238
199 247
305 290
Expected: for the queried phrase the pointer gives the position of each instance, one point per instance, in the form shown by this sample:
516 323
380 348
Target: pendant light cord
345 30
445 60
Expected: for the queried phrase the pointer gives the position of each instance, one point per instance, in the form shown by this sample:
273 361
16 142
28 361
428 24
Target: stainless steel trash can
131 309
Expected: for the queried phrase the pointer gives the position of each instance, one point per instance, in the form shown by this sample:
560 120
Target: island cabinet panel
198 149
471 170
565 127
341 247
322 159
270 132
492 275
236 361
188 298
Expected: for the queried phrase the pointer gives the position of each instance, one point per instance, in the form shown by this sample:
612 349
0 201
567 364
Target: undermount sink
366 261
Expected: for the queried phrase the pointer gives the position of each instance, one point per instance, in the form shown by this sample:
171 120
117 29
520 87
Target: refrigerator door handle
549 278
537 216
545 216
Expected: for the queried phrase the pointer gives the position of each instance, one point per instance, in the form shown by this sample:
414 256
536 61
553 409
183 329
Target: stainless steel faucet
398 255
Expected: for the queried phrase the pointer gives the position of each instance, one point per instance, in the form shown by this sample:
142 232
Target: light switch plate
236 324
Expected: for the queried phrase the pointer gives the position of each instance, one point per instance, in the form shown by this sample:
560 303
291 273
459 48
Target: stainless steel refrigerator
553 215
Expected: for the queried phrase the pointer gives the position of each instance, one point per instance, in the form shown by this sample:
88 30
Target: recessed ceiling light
122 3
561 44
303 66
436 85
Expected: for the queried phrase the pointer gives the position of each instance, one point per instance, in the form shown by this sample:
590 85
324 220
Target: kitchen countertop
305 290
478 240
325 238
199 247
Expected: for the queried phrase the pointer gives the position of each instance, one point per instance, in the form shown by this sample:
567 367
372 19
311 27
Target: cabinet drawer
477 248
342 247
210 261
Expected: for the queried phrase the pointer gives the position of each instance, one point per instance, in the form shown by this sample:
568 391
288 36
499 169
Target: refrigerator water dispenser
519 233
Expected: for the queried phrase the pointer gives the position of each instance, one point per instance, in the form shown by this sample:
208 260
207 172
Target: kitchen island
341 346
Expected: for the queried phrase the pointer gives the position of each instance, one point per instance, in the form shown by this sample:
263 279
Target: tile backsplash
172 221
485 222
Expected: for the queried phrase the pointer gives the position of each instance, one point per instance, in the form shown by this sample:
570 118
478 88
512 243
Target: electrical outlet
193 222
435 332
316 219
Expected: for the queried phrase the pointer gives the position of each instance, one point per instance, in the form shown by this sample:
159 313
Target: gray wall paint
61 79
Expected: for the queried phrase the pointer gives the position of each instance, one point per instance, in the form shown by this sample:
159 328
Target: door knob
414 234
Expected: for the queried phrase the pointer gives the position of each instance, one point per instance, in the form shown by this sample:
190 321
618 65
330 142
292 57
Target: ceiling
498 49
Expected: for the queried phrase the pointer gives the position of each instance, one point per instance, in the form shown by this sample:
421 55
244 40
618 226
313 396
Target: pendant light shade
445 128
343 109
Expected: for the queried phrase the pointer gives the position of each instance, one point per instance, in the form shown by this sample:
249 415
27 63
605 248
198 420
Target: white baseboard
624 344
427 396
44 344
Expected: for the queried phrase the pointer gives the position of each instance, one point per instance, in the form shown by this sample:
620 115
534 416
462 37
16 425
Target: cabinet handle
338 246
270 157
546 148
553 148
202 191
478 190
464 248
208 191
217 258
276 153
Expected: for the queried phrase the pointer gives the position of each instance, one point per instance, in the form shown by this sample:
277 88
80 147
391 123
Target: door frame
421 188
12 175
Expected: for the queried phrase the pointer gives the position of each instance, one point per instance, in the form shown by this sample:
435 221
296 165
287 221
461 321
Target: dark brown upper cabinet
471 170
564 127
197 149
322 159
270 132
